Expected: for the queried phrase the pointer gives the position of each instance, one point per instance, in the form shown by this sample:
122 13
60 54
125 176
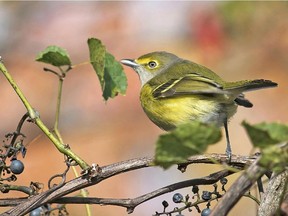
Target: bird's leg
228 147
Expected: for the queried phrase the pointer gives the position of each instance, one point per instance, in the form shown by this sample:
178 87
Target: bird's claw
229 155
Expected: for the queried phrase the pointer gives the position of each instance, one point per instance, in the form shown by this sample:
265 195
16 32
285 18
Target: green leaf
274 158
97 58
110 72
55 56
115 78
186 140
265 134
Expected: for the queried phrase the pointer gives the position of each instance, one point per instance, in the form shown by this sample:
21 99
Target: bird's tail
250 85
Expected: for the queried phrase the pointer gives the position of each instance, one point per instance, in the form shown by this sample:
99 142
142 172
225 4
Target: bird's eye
152 64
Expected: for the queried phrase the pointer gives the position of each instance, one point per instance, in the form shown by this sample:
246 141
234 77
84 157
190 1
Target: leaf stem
34 115
58 106
80 64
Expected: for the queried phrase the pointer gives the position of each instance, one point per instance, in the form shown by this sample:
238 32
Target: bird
175 91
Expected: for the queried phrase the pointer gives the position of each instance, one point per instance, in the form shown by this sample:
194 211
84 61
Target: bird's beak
129 62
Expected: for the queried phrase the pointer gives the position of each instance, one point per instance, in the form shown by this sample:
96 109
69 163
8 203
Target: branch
131 204
276 190
238 189
250 176
284 205
109 171
12 201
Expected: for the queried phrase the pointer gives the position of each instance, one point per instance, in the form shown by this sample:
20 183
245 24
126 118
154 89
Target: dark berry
36 212
195 189
16 167
182 167
206 195
177 198
206 212
223 181
165 204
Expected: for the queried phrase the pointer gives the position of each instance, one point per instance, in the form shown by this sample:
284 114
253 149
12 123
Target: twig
36 118
249 195
24 189
131 204
58 104
12 201
18 129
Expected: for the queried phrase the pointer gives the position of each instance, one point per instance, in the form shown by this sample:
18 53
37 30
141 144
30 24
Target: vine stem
58 105
80 64
84 193
61 77
36 118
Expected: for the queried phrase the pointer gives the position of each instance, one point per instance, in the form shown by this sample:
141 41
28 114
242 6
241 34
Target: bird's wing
188 84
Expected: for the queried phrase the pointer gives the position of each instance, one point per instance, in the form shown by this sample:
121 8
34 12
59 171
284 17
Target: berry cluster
10 166
195 200
48 210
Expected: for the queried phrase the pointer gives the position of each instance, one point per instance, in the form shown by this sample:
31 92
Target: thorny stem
36 119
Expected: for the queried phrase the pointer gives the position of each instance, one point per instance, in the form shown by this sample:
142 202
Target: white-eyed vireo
175 91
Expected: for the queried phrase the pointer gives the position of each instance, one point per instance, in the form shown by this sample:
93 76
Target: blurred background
237 40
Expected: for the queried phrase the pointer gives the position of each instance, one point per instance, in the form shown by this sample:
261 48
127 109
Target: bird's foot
229 155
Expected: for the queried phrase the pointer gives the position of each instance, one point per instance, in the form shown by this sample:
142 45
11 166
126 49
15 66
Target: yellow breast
167 113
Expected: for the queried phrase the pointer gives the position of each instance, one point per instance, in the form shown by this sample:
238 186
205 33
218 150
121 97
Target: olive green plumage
175 91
